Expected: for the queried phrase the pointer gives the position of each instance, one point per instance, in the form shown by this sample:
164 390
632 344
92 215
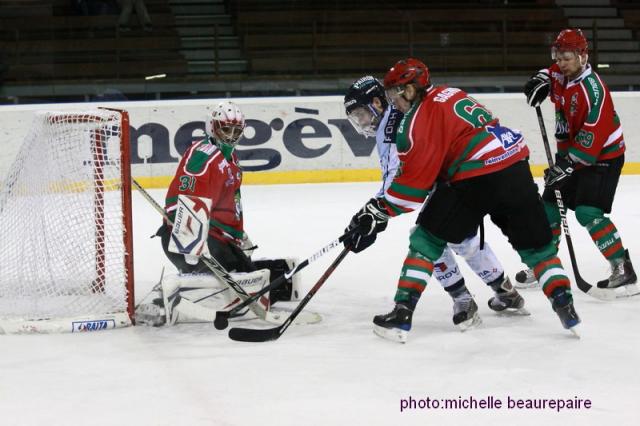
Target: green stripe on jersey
403 142
595 92
409 191
473 143
590 159
226 228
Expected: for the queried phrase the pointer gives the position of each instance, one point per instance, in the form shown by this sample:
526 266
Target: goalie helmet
569 40
226 123
359 105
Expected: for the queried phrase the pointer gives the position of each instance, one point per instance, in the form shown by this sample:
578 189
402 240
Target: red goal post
66 258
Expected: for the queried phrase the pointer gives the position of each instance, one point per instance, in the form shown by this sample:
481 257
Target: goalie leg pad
200 296
291 289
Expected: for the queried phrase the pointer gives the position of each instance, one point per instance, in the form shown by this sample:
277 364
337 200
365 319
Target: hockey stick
264 335
210 262
222 317
584 286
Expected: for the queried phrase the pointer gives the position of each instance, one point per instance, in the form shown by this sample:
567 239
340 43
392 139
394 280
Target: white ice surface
338 372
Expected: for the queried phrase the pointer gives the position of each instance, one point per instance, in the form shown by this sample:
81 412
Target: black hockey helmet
362 92
358 104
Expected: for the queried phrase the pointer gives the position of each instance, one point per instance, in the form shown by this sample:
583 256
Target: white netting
62 252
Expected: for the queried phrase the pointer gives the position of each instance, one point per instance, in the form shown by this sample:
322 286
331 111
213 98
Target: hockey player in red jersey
482 169
204 205
590 151
209 171
371 115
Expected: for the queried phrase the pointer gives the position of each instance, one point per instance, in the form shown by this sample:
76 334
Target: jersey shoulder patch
200 157
595 94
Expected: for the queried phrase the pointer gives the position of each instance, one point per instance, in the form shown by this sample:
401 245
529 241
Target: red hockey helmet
570 40
408 71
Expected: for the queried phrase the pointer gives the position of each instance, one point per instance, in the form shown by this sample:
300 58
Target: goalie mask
226 123
359 105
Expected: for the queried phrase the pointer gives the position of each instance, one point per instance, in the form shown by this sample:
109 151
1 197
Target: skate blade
510 312
575 331
393 334
472 322
526 285
625 291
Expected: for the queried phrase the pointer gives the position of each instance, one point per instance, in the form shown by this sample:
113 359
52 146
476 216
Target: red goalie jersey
587 126
205 172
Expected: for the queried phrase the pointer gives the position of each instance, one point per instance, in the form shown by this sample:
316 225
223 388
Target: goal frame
95 322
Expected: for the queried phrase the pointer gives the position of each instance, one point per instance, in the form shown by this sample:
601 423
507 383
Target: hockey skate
507 300
526 279
465 309
157 308
395 325
465 313
622 277
562 304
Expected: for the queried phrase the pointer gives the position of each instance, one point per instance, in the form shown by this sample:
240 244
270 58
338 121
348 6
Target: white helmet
226 123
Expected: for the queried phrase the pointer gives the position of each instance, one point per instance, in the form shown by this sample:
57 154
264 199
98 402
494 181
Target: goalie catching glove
537 88
365 225
558 175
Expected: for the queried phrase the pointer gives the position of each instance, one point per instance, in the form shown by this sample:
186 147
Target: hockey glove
558 175
370 219
537 88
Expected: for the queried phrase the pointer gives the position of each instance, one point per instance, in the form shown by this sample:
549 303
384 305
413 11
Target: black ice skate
507 300
562 304
526 279
622 275
395 325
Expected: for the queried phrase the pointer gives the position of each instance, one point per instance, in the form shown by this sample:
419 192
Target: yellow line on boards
326 176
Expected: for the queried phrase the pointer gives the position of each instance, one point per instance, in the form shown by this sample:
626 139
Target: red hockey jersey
204 172
587 126
448 136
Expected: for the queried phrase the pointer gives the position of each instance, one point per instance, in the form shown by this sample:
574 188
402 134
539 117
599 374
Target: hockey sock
551 275
555 221
415 273
602 231
546 267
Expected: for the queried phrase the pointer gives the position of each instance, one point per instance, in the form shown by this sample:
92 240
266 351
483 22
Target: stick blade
254 335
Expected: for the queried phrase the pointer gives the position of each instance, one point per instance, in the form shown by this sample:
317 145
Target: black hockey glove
558 175
537 88
370 219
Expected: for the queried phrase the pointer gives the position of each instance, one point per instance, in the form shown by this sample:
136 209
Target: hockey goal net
65 226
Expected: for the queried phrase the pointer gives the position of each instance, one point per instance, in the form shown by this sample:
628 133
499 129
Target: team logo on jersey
230 178
585 138
507 137
573 106
223 165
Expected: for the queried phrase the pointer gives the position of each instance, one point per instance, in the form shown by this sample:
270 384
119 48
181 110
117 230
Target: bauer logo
96 325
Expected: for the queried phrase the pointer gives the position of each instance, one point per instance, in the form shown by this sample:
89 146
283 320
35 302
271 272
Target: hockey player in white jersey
372 116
